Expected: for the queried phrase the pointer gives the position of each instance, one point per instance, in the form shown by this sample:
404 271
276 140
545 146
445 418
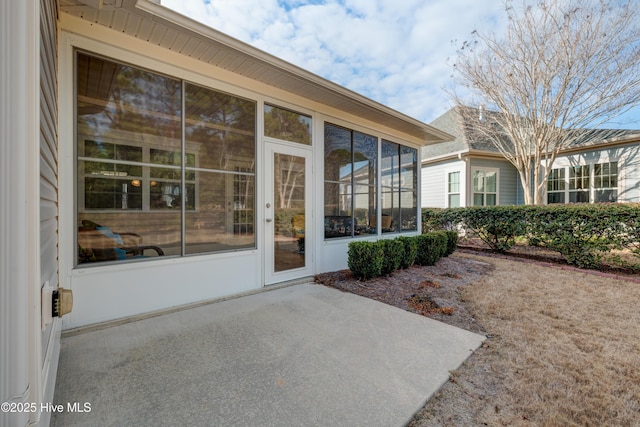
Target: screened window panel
390 180
337 153
287 125
220 129
137 177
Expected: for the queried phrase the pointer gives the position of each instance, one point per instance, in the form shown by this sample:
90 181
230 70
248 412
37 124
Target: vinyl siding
434 182
628 158
48 151
48 143
509 192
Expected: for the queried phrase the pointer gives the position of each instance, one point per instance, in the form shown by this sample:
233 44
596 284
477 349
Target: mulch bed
433 291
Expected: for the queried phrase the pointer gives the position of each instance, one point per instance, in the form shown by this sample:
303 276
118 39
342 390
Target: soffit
147 20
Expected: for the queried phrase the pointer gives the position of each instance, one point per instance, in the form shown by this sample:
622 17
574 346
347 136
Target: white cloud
394 52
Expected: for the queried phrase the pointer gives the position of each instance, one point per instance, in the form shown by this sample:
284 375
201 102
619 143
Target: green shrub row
582 233
372 259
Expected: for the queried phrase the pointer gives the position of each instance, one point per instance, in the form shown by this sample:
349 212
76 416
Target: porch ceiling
148 20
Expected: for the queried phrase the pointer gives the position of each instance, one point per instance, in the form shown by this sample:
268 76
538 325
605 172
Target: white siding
49 187
628 158
508 180
434 182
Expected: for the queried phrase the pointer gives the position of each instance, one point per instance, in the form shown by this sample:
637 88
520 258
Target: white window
579 184
605 182
453 189
556 186
583 183
485 187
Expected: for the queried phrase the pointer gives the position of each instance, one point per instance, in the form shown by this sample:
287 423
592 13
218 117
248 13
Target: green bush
365 259
393 253
442 243
410 246
582 233
452 242
431 247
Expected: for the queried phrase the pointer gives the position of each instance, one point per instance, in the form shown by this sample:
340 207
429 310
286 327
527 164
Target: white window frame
460 192
473 192
564 191
592 188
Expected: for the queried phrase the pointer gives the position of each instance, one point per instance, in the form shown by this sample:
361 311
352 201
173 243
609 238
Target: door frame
292 149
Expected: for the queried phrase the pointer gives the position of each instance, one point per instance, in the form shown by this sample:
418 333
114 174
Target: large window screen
164 167
352 168
399 181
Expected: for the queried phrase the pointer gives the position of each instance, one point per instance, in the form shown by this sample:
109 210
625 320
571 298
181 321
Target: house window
605 182
586 183
350 182
485 187
399 176
164 166
579 184
556 186
287 125
453 189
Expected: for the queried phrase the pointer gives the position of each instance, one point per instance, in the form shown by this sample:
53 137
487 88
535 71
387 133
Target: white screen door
287 213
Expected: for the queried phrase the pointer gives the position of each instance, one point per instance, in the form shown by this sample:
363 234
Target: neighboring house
149 162
466 172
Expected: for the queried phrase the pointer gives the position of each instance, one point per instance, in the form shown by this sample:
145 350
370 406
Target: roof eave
373 110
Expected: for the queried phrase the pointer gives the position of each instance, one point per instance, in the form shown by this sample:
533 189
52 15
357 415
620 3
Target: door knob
269 220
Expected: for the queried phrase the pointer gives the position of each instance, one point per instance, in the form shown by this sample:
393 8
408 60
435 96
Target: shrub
431 247
410 246
442 242
365 259
452 242
393 251
582 233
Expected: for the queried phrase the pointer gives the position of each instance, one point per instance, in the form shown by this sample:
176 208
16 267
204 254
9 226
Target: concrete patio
303 355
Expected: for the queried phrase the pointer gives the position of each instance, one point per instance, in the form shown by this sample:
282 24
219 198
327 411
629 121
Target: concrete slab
304 355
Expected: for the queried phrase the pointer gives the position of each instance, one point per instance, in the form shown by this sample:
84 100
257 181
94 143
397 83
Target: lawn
563 347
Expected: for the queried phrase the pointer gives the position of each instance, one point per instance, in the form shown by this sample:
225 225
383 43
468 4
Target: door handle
269 220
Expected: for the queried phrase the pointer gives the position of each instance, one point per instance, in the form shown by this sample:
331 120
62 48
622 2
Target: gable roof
148 20
465 142
451 123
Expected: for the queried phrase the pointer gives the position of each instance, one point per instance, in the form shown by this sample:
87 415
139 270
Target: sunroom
195 167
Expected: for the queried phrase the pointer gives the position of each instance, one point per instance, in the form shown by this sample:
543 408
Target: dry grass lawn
564 350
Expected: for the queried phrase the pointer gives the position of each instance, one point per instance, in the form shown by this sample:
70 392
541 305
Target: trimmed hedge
365 259
582 233
393 251
410 246
452 241
371 259
431 247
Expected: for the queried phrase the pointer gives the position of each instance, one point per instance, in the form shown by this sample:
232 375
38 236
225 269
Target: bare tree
561 68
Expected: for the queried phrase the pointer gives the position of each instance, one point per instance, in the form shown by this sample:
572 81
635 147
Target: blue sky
396 52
